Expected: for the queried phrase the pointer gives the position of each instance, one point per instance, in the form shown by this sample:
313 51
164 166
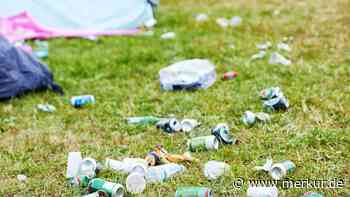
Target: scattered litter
135 183
223 22
128 165
46 108
188 124
203 143
194 192
74 161
99 193
171 125
112 189
41 49
235 21
281 169
150 23
277 170
215 169
222 133
163 172
160 156
143 120
277 58
80 101
88 167
249 118
188 75
259 55
22 178
168 36
264 46
312 194
260 191
229 75
274 99
284 46
201 17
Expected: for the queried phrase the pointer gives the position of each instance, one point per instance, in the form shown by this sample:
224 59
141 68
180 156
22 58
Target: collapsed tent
20 20
21 73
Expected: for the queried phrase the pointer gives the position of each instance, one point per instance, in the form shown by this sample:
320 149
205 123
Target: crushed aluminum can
79 101
194 192
222 133
229 75
188 124
281 169
275 104
46 108
313 194
169 125
270 93
112 189
203 143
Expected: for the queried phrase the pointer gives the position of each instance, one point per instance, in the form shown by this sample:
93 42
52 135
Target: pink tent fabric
23 26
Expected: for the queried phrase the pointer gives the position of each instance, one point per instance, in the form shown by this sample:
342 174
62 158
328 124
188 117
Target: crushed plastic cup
22 178
135 183
215 169
259 55
163 172
203 143
188 124
264 45
188 75
277 58
284 47
194 192
46 108
201 17
223 22
112 189
260 191
235 21
275 104
168 36
116 165
171 125
88 167
73 164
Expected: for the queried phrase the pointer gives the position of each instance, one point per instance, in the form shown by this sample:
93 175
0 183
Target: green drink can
112 189
203 143
193 192
281 169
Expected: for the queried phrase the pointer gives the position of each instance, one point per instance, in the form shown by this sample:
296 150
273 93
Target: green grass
122 73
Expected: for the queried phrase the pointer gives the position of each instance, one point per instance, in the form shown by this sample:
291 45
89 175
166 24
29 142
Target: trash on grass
266 167
74 161
249 118
22 178
264 46
171 125
135 183
46 108
215 169
201 17
163 172
260 191
277 170
99 193
88 167
259 55
235 21
194 192
229 75
222 133
128 165
188 124
277 58
203 143
274 99
168 36
112 189
284 46
80 101
188 75
143 120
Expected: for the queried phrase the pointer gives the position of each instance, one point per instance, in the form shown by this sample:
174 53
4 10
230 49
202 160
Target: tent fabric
44 18
21 73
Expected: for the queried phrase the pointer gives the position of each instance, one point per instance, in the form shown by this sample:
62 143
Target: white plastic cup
262 192
215 169
281 169
116 165
88 167
135 183
188 124
163 172
73 163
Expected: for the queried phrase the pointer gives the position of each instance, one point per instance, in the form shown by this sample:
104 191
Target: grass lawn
122 74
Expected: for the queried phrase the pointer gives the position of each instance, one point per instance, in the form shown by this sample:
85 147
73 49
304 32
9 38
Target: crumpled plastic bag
188 75
21 73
